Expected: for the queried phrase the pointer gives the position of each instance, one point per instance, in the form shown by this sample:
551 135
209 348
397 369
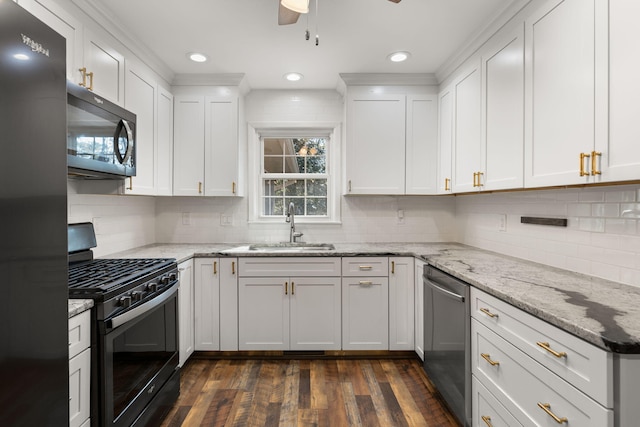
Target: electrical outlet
502 222
226 220
186 218
400 216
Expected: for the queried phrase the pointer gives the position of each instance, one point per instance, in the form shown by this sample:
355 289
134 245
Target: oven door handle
144 308
445 291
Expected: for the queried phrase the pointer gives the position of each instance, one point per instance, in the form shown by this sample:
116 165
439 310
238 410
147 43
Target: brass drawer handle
487 357
393 267
488 313
546 407
487 420
547 347
293 288
365 267
215 267
583 172
447 185
233 267
594 163
365 282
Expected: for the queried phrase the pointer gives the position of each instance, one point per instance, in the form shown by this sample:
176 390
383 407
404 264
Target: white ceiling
243 36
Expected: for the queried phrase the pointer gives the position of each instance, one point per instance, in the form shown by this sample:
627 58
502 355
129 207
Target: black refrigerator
34 365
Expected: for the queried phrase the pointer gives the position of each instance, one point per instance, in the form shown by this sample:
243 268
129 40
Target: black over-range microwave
101 136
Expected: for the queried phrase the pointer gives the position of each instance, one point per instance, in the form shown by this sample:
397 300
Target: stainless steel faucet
293 234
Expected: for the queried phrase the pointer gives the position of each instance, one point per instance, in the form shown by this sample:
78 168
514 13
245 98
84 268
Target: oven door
140 377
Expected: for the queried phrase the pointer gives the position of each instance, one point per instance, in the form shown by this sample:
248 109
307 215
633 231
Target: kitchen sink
289 247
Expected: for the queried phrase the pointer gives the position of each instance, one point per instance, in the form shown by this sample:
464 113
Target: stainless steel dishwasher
447 339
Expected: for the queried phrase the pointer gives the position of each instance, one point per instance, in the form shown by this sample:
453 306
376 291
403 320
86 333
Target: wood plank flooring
323 392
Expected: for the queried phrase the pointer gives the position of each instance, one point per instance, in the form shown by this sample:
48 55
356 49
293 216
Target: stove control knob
164 280
173 277
136 295
152 287
125 301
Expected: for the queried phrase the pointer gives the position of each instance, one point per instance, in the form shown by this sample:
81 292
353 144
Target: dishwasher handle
447 292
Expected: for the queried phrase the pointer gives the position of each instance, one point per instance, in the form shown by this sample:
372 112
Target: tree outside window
295 170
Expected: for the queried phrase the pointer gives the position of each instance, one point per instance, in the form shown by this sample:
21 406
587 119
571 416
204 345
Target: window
294 166
294 171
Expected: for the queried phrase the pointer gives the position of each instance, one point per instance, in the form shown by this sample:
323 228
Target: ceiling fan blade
286 16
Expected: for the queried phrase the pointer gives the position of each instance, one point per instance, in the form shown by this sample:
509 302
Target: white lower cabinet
365 313
541 376
419 309
487 411
281 309
401 303
79 369
185 311
216 319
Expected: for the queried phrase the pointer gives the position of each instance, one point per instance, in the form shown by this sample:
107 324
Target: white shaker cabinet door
375 144
559 92
620 152
422 144
207 304
445 140
467 117
503 112
186 311
107 66
221 146
188 148
164 147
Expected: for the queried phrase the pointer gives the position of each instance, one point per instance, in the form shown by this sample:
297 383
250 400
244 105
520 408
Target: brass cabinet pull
365 267
233 187
215 267
83 70
487 420
480 174
366 282
233 267
546 407
475 175
488 313
487 357
547 347
447 184
286 288
199 187
293 288
393 267
349 187
90 81
594 163
583 172
130 187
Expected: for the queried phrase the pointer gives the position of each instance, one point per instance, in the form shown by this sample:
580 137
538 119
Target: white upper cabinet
221 146
445 140
421 144
620 152
375 144
164 146
102 70
502 142
391 142
188 153
206 146
561 85
467 118
141 100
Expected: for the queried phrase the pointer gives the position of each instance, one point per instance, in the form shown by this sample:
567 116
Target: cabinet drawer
288 266
487 411
365 266
79 333
524 385
584 365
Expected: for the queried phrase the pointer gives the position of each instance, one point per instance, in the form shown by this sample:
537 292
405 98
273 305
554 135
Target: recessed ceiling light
21 56
293 77
399 56
197 57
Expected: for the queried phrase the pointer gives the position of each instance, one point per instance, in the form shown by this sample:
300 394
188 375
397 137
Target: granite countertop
602 312
77 306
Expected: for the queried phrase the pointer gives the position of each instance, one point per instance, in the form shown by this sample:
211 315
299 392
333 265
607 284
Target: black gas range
135 378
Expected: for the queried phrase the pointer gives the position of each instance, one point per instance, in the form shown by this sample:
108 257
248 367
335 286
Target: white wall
602 237
120 222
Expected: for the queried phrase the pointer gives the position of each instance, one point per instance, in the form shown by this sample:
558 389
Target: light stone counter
77 306
602 312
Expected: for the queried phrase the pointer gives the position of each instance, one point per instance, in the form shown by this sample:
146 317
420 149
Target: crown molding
389 79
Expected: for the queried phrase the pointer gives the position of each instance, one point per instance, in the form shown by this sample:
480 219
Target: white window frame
257 131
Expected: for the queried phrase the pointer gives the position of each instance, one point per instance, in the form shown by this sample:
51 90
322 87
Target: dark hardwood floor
323 392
